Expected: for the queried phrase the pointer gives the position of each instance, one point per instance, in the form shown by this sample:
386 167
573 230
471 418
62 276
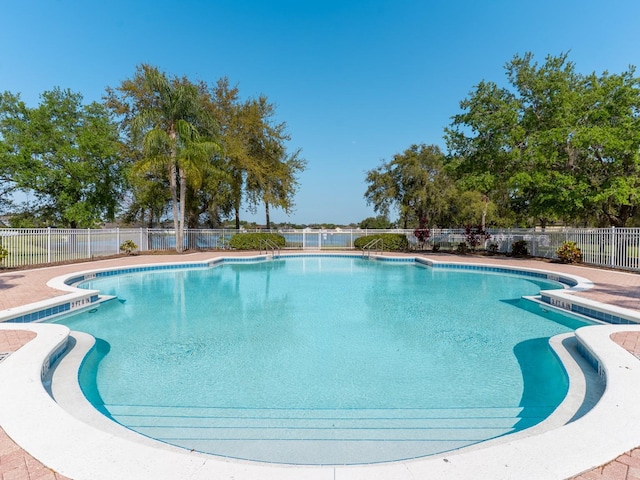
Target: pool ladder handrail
373 243
270 245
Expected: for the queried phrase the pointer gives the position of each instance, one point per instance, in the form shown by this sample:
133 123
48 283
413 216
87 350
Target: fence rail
607 247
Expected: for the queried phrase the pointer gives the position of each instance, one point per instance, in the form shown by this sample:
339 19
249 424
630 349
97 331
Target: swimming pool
322 360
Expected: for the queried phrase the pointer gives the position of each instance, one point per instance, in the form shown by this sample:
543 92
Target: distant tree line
552 147
156 144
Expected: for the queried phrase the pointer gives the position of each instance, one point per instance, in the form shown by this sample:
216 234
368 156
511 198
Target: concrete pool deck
20 287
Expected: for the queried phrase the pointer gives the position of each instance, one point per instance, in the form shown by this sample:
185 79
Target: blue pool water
322 360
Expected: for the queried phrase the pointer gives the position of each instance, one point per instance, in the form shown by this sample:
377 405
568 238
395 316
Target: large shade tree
414 183
62 155
552 145
257 167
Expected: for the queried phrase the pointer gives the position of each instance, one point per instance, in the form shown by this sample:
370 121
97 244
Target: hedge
252 241
392 242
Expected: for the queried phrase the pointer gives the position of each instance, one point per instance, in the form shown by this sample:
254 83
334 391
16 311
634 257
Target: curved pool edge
555 455
68 394
81 451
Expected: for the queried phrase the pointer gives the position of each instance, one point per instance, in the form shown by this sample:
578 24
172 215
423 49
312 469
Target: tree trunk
237 211
183 195
268 217
174 199
485 202
172 183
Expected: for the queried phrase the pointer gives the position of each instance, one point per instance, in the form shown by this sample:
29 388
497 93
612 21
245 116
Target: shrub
4 253
392 242
462 248
493 248
128 247
422 233
569 252
252 241
475 235
435 247
520 248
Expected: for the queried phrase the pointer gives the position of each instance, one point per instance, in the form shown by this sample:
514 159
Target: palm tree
166 118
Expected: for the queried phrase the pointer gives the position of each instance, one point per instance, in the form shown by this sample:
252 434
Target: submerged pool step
241 412
317 435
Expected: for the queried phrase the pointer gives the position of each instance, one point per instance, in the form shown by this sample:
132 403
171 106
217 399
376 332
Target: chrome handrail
268 244
370 245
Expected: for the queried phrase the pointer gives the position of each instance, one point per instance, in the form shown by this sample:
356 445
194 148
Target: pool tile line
583 306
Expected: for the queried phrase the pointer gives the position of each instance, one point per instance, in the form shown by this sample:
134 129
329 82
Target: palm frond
157 142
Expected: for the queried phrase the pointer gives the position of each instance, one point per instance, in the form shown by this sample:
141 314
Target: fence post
612 257
117 240
48 244
88 243
533 242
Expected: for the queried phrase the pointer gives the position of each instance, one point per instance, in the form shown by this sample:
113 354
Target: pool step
322 436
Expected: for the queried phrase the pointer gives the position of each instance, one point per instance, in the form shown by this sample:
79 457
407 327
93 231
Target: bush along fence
607 247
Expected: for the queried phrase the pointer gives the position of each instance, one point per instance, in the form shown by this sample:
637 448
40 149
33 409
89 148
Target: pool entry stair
323 436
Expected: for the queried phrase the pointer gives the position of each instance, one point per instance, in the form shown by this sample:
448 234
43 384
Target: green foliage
128 246
392 242
255 163
520 248
378 222
168 128
4 253
65 155
553 145
202 150
462 248
569 252
415 184
252 241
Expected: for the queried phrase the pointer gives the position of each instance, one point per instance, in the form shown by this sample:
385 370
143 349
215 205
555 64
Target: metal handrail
372 244
268 244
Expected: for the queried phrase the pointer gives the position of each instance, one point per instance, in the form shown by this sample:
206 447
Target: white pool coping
81 451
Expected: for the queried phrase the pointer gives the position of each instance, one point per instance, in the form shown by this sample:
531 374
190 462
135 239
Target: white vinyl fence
609 247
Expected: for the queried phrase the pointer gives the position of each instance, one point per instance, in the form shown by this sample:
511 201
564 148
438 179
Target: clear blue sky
355 80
